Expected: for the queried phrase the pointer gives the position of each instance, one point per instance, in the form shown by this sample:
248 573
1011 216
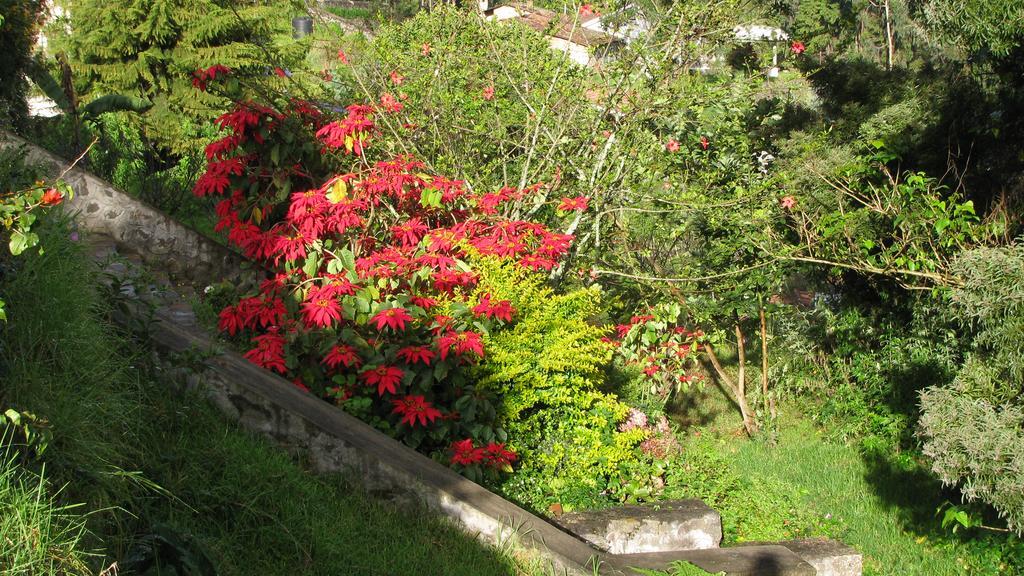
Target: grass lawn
882 504
142 459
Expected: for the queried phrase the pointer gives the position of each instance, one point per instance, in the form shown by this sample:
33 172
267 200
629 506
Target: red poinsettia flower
535 262
342 355
414 354
672 145
797 47
704 142
502 310
423 302
465 454
230 321
269 352
342 57
460 343
408 233
579 203
415 408
385 378
393 318
498 457
200 77
396 78
489 93
321 308
51 197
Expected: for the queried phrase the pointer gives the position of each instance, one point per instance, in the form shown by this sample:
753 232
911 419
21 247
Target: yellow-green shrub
546 370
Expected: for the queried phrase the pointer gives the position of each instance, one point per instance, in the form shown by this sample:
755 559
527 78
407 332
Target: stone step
668 526
759 560
829 557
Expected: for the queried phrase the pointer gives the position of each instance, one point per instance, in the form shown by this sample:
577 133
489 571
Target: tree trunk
749 421
890 48
770 400
737 388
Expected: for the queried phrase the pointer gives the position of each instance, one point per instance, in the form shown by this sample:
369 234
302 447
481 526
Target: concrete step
829 557
761 560
668 526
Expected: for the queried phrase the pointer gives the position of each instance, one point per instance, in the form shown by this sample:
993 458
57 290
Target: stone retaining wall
161 240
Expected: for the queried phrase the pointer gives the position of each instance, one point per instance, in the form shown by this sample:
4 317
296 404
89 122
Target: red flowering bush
370 298
664 351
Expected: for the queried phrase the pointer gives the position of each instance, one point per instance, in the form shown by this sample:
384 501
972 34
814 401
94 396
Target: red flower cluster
51 197
362 261
493 455
503 310
579 203
200 77
351 133
385 378
415 408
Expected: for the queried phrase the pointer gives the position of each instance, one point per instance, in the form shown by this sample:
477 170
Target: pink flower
797 47
397 78
489 93
425 49
587 10
788 202
672 145
390 104
704 142
342 57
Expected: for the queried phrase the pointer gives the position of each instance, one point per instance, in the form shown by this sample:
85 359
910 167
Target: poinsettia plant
665 350
370 301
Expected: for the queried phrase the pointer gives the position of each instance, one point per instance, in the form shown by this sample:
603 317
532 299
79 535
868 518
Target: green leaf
21 241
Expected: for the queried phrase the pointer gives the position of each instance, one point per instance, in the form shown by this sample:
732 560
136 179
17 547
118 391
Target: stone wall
173 247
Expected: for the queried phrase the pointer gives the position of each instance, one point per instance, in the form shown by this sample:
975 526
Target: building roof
759 33
560 25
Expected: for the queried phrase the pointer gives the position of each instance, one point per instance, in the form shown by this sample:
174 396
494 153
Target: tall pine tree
150 48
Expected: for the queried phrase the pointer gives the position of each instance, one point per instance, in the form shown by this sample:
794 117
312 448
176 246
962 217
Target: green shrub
19 24
547 370
974 429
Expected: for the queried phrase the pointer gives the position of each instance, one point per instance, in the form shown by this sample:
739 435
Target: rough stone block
829 557
770 560
669 526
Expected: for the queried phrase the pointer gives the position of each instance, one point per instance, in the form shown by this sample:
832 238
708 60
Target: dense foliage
517 264
19 24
